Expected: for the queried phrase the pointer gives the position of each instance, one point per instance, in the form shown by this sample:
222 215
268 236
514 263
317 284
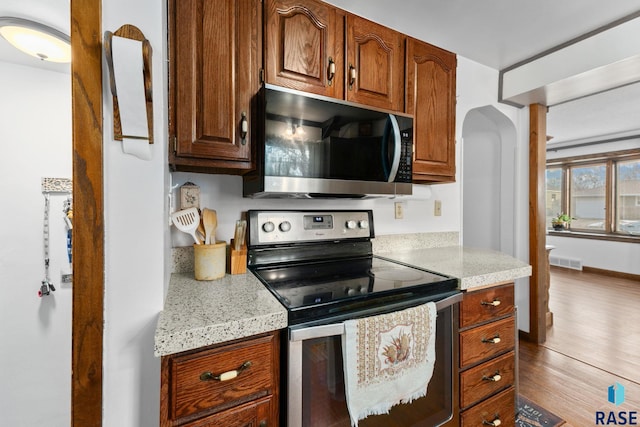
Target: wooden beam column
88 224
537 231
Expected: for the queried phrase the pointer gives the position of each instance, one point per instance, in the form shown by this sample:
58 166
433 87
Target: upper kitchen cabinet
375 64
314 47
215 60
304 46
431 98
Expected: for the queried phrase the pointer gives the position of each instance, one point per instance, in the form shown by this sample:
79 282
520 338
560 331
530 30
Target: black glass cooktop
340 288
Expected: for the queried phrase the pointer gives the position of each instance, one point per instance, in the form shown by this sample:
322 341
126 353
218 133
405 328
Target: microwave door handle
397 145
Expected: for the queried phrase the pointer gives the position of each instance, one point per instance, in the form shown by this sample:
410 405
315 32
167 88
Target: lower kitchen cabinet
252 414
232 384
487 344
498 410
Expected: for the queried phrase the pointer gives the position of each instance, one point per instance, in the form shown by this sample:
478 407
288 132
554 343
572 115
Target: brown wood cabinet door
214 73
303 46
374 64
431 90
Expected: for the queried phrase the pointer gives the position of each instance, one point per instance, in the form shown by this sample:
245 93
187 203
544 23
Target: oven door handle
449 301
323 331
312 332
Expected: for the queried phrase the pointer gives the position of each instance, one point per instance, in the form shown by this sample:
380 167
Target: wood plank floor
594 342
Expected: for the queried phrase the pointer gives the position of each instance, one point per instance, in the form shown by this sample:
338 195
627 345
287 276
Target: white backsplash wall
224 194
35 353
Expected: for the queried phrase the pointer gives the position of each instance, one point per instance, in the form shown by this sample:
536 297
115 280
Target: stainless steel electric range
320 266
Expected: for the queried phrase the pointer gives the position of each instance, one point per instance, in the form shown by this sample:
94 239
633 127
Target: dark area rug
530 414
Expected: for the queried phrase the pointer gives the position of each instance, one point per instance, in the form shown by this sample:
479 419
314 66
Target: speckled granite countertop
197 314
201 313
473 267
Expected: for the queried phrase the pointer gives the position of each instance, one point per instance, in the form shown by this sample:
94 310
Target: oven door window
323 397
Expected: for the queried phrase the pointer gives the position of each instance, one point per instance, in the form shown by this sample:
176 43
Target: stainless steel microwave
314 146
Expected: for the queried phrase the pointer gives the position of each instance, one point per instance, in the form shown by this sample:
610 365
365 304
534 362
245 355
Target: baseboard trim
601 271
611 273
524 335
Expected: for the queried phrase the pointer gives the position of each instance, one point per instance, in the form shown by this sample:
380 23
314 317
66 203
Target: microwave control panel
406 155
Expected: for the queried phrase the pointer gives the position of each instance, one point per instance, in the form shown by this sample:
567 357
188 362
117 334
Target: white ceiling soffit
610 115
599 61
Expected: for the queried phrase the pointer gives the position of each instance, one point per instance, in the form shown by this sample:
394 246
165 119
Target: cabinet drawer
254 413
481 306
486 379
484 342
194 391
500 407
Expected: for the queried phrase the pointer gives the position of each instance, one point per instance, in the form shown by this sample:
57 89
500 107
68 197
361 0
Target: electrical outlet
399 210
437 208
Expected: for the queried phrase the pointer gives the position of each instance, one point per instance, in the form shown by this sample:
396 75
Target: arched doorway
488 180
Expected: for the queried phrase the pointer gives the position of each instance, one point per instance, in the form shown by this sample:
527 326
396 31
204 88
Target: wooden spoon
210 222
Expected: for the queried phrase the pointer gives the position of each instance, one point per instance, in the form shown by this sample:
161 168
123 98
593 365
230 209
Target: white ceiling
496 33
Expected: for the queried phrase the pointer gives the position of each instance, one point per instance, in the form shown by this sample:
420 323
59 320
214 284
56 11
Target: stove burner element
319 264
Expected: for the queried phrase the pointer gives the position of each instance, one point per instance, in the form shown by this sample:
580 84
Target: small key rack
54 186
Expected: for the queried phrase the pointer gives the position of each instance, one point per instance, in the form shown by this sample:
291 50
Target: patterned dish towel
388 359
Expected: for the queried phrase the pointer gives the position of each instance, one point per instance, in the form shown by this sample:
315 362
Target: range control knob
285 226
354 291
268 227
351 224
363 223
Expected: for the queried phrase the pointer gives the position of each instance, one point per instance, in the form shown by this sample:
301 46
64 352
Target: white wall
602 254
136 239
477 89
35 353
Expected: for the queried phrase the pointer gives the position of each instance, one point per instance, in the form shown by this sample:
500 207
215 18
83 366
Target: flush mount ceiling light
36 39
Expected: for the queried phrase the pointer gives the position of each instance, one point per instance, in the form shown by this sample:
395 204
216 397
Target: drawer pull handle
495 423
495 377
494 340
225 376
494 303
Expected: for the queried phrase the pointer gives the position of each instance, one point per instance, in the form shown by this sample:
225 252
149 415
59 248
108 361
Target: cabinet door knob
495 377
494 340
244 128
495 423
494 303
263 423
331 71
352 76
225 376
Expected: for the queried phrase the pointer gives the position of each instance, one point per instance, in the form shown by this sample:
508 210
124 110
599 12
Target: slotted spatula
187 220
